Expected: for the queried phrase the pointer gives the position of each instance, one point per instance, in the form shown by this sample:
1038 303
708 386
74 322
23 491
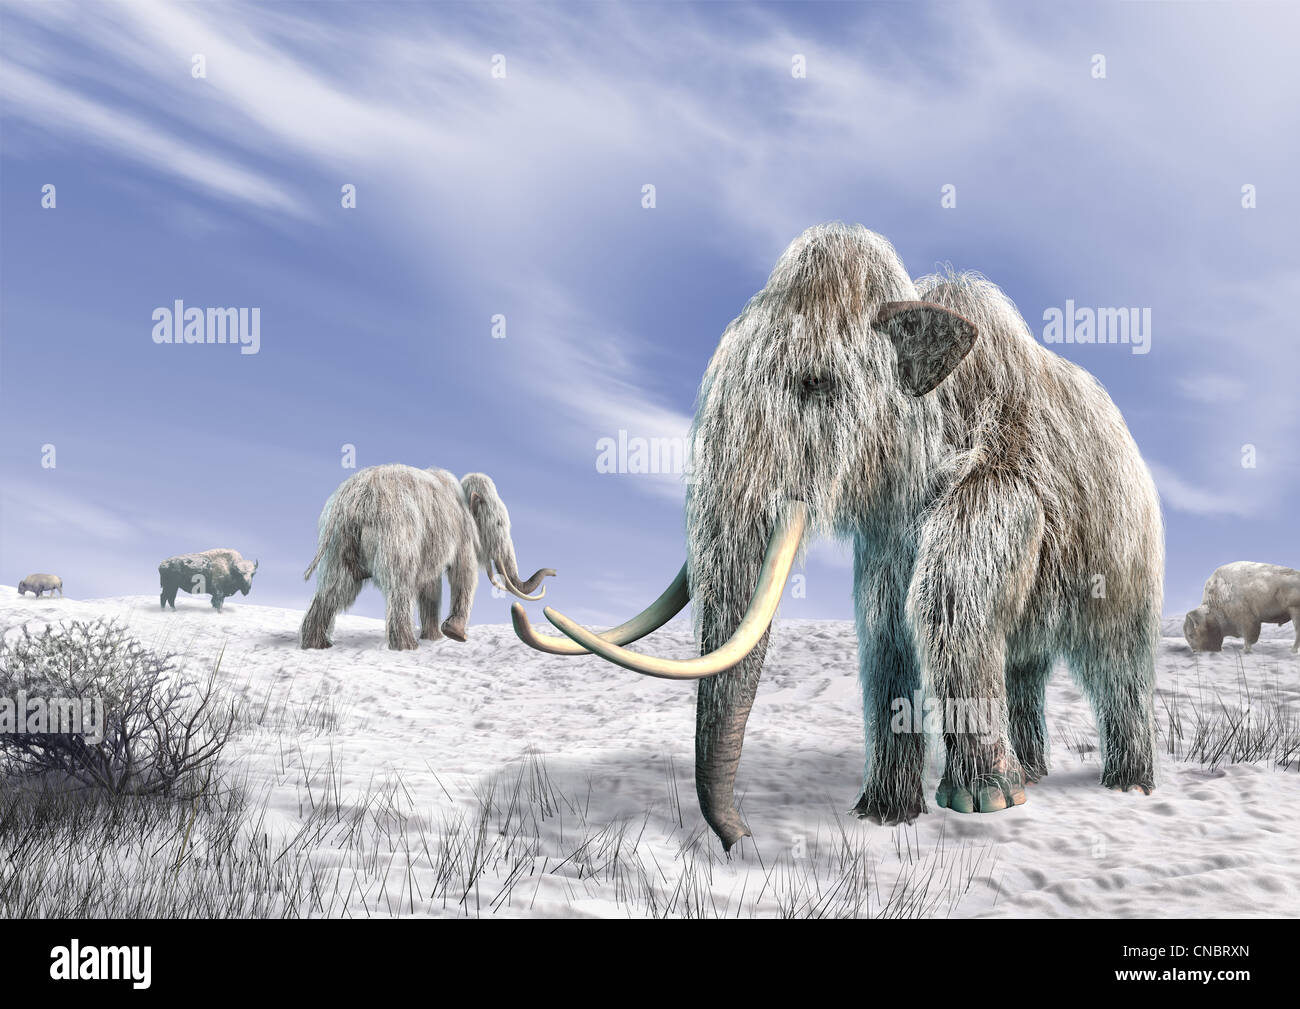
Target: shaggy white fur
1239 598
999 521
405 528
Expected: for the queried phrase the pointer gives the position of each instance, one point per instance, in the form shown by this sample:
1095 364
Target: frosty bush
162 733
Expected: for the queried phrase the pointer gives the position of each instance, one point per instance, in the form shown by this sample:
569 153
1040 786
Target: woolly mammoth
1238 599
1000 514
219 573
405 528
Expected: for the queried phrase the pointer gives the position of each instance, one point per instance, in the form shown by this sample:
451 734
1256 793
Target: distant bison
219 573
1238 598
39 583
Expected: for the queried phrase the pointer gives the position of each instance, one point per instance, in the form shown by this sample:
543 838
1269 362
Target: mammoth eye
816 385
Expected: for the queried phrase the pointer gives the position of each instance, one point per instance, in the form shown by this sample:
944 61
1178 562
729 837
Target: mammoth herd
986 485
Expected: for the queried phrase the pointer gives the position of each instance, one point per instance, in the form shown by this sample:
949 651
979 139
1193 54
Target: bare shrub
162 732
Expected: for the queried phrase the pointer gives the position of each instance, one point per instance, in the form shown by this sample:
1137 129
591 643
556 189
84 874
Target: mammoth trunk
509 567
723 577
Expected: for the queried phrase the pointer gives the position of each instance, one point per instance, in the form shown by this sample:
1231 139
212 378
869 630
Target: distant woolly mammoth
1239 598
1000 513
405 528
218 573
40 583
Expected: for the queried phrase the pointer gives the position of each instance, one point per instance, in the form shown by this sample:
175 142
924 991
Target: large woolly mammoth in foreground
405 528
1000 513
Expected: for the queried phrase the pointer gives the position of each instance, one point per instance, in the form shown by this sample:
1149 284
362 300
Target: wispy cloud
62 515
598 383
46 104
1178 493
1215 389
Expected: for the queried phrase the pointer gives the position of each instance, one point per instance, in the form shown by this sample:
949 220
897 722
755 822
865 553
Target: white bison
1238 598
40 583
219 573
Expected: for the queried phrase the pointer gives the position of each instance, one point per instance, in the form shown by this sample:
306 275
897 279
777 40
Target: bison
219 573
40 583
1238 598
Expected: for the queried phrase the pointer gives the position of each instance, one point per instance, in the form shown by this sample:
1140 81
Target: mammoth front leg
463 578
976 564
431 609
892 786
1027 711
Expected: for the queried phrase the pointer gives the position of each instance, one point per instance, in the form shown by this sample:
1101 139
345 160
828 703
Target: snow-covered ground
600 762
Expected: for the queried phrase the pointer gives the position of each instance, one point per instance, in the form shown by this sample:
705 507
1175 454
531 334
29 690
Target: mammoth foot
1122 781
314 635
888 810
1034 770
430 633
986 794
455 629
401 636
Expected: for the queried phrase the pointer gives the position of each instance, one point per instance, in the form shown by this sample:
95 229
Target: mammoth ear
929 339
475 502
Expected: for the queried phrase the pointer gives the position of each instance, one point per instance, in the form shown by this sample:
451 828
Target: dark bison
218 573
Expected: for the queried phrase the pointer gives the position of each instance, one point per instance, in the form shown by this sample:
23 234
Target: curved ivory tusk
668 605
781 550
514 589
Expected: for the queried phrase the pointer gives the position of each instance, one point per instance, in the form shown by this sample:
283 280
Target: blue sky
480 196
